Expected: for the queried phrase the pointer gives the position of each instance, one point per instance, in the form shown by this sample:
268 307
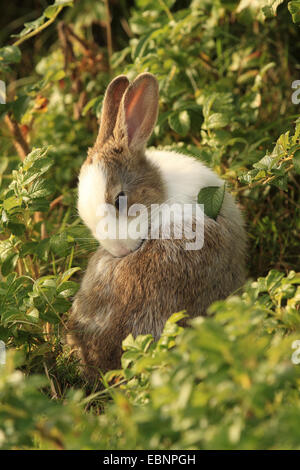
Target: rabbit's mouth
120 250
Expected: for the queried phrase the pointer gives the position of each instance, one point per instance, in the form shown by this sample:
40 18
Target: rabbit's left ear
111 102
138 112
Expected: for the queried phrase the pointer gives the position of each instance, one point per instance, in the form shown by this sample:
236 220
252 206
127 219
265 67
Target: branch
108 32
19 141
39 29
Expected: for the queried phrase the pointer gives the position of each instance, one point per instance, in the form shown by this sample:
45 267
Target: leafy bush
229 382
225 71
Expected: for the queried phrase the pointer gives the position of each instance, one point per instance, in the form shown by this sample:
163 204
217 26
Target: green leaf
141 46
42 249
294 8
27 248
34 156
19 106
176 317
90 104
68 288
59 244
69 273
51 11
63 2
16 228
37 169
38 204
9 263
129 343
216 121
12 202
61 305
180 122
12 314
212 198
281 182
296 161
3 164
270 9
10 55
30 26
41 189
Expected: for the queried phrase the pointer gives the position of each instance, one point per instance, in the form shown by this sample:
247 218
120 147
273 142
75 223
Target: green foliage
226 382
9 55
225 72
294 8
50 13
273 168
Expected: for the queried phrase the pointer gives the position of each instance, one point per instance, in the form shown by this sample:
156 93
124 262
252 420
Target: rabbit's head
116 174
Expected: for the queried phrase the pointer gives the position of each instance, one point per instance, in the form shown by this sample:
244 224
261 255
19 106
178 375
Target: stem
53 390
108 32
167 10
80 41
71 258
39 29
262 182
56 201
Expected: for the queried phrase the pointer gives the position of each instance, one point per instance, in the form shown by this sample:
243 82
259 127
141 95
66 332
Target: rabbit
132 285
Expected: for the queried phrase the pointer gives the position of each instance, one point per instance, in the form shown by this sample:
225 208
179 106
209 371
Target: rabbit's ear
111 103
138 112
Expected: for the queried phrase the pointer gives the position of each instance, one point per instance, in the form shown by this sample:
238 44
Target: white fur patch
91 191
91 195
185 176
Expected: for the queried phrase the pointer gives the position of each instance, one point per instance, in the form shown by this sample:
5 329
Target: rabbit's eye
117 200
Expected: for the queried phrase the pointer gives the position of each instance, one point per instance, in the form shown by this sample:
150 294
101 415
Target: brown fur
139 292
